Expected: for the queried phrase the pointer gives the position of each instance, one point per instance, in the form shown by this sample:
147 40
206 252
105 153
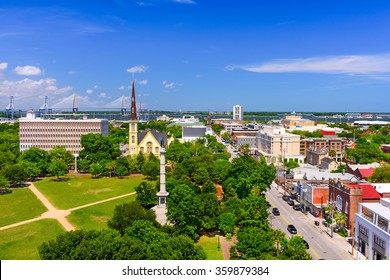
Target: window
383 223
346 207
133 139
339 203
156 150
363 230
149 147
142 149
367 213
379 241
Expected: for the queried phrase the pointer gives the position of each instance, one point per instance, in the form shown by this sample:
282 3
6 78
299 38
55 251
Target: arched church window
149 147
133 139
156 150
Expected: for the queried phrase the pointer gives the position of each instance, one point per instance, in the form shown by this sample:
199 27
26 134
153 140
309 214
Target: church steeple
133 125
133 109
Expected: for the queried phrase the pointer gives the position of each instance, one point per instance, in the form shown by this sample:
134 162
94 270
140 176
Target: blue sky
197 54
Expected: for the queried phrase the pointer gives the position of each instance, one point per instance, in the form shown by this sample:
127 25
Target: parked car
297 207
306 244
292 229
275 211
290 202
286 197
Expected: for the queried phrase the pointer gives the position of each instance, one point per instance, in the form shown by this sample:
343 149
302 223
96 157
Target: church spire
133 109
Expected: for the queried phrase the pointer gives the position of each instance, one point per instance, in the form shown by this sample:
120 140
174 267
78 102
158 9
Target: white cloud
168 85
122 88
137 69
27 70
185 1
29 93
142 82
89 91
72 72
104 95
3 66
352 64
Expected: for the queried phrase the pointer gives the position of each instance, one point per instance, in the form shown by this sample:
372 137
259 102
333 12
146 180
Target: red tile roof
369 191
366 172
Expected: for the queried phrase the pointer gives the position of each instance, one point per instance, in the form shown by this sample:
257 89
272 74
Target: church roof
157 135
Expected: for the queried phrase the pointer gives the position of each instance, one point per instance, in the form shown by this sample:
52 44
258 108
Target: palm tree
340 218
277 236
110 167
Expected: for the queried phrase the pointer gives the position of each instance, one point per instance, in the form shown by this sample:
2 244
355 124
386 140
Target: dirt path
225 245
54 213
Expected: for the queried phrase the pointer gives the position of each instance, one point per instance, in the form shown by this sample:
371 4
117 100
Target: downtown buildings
57 130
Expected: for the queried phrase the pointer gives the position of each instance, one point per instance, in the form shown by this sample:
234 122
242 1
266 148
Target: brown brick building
346 198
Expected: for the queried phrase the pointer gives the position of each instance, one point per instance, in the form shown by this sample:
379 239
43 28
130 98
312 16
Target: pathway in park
225 245
54 213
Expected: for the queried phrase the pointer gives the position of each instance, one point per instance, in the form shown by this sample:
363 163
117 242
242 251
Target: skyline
193 55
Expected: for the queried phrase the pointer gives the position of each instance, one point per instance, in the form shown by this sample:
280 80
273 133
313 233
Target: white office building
58 130
238 113
372 230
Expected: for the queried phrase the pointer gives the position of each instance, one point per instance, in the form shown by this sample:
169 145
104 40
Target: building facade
372 231
145 141
58 130
335 144
276 145
238 113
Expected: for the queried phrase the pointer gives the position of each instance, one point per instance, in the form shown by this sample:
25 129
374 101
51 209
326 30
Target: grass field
21 243
80 189
210 246
96 217
18 206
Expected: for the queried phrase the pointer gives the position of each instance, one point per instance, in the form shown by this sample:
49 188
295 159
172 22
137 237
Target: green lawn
18 206
96 217
21 243
210 246
81 189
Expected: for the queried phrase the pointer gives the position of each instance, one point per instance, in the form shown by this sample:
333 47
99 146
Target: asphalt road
322 245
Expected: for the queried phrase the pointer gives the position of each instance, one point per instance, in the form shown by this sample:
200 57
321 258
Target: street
322 245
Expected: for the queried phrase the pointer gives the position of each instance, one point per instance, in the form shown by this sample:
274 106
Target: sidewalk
337 240
54 213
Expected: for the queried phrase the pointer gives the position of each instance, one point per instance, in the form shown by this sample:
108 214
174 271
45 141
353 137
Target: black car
306 244
297 207
275 211
285 197
290 202
292 229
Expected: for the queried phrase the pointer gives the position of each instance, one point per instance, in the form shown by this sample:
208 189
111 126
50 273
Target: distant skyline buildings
238 113
182 63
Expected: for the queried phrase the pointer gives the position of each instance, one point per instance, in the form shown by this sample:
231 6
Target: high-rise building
238 113
57 130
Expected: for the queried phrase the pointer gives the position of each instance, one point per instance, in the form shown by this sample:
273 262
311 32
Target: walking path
54 213
225 245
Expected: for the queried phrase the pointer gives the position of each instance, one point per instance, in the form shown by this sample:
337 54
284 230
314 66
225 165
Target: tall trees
184 210
97 147
381 174
125 214
146 194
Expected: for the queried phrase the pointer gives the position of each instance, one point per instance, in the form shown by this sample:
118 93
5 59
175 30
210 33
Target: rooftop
378 208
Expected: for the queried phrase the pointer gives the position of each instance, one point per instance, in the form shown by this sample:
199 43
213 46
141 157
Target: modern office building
372 231
238 113
57 130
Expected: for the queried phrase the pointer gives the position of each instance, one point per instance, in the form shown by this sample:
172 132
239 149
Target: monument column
162 194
